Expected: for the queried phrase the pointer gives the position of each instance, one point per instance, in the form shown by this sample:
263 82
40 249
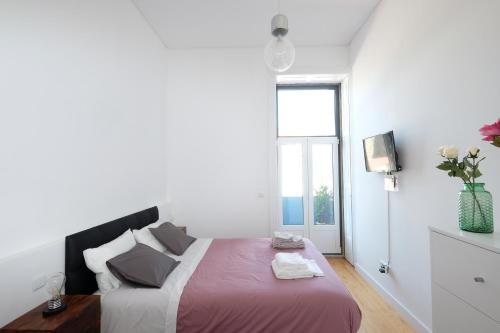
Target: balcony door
308 164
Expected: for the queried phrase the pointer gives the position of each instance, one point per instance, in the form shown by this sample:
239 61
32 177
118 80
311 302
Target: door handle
479 279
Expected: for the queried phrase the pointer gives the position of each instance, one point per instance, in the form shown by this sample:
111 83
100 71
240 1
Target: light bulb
53 287
279 54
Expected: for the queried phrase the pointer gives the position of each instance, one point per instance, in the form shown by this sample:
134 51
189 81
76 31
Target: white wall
82 130
429 70
219 129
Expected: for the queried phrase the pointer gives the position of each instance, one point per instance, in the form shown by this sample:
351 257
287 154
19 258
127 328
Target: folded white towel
290 261
314 268
286 275
287 236
283 235
293 270
294 266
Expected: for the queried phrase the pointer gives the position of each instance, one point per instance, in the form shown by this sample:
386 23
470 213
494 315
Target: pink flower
490 131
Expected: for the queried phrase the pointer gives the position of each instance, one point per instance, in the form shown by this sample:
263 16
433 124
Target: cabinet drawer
451 315
457 265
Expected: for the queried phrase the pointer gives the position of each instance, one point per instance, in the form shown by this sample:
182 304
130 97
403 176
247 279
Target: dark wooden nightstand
183 228
83 315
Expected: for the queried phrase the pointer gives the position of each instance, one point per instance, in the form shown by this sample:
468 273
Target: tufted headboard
81 280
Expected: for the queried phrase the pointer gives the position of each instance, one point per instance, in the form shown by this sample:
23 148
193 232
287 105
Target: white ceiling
246 23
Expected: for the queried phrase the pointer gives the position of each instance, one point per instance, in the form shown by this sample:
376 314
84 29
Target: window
308 165
306 111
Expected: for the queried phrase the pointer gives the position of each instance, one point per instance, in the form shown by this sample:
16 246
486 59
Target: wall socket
38 282
384 267
391 183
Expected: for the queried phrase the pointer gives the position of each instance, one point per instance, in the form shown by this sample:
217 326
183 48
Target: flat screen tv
380 153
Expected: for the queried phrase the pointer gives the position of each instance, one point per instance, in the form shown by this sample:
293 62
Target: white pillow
144 236
96 258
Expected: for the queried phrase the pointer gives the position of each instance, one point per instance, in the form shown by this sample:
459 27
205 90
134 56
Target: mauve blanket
234 289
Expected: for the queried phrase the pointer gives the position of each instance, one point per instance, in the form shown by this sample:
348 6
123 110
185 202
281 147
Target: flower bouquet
474 203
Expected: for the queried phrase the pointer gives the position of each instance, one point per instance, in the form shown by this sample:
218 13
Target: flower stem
474 191
483 217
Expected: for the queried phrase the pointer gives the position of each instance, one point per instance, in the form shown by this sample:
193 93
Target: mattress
227 285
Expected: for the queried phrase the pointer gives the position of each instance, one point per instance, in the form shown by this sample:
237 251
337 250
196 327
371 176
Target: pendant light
279 53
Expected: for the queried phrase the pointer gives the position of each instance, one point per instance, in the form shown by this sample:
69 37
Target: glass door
292 161
324 203
309 190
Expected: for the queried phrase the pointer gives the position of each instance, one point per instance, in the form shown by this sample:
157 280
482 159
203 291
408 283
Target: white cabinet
465 281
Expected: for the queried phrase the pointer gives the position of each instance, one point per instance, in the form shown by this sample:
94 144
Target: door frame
275 206
300 74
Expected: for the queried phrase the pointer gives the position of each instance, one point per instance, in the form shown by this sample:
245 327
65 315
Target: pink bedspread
234 290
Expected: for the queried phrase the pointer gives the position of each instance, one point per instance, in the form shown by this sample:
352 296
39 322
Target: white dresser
465 281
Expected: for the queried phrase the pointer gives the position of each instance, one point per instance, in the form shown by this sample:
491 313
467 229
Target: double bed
220 285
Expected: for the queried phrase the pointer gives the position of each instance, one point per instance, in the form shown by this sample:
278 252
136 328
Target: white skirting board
403 310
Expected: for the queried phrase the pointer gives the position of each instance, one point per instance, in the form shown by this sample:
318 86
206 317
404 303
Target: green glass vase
475 209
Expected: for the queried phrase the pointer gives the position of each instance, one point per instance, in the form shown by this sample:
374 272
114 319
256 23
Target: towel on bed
286 240
294 266
290 261
290 274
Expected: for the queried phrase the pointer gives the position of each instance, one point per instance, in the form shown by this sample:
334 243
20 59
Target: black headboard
81 280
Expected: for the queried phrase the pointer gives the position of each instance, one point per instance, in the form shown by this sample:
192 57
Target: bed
221 285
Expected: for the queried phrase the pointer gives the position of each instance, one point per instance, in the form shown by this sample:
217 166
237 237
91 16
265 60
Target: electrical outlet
38 282
391 183
384 267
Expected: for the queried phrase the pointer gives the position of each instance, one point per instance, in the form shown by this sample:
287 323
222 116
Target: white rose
450 152
441 150
473 151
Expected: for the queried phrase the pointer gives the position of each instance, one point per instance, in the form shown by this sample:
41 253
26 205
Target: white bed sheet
132 310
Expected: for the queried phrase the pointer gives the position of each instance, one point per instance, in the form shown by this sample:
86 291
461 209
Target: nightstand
83 315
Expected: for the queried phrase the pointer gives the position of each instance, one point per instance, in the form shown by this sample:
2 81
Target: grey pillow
142 266
173 238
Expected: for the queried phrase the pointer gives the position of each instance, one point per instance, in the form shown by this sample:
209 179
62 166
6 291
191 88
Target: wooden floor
378 315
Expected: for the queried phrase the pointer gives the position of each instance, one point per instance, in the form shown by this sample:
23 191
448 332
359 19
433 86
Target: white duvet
132 310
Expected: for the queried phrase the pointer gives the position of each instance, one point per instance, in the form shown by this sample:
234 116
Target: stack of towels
288 266
286 240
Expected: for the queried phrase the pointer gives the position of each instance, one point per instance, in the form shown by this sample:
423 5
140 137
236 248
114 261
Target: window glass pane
306 112
292 191
322 180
